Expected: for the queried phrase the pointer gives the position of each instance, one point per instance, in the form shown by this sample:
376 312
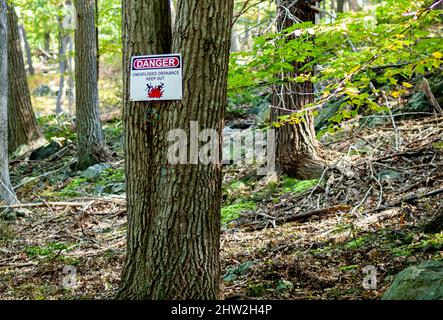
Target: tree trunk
91 147
71 83
23 128
6 191
340 6
27 51
62 44
353 5
47 42
174 210
173 13
297 148
97 40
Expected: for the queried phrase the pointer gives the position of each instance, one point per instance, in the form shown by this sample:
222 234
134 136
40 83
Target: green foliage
110 27
433 242
297 186
357 243
7 232
73 188
234 211
359 56
57 126
348 268
108 183
52 251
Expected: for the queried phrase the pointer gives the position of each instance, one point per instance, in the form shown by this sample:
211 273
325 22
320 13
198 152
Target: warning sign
156 77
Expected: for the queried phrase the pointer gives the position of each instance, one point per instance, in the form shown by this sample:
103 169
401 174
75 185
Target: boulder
421 282
45 152
95 171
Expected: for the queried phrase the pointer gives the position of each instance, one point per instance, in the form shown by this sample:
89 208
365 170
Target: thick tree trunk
6 191
174 210
27 50
91 147
297 149
23 128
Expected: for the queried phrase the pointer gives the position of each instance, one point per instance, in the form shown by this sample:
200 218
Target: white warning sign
156 77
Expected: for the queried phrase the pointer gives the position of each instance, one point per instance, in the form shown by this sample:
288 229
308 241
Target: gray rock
233 272
43 90
284 285
94 172
421 282
46 151
321 121
387 175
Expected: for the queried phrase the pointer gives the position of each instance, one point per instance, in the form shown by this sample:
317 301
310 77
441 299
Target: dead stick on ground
44 204
407 199
302 216
427 90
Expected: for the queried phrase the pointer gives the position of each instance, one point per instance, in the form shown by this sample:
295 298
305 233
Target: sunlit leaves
351 56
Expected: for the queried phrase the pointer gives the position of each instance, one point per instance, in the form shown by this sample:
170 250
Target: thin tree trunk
71 82
174 210
173 13
353 5
62 44
6 191
22 124
27 51
91 147
235 43
340 6
297 149
97 40
47 42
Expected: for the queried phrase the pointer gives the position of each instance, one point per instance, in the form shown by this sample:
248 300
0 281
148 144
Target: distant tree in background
28 53
22 124
91 147
6 191
297 149
64 37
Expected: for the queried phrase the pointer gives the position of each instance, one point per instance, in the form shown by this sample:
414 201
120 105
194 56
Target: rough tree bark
22 125
91 147
297 149
6 191
174 210
27 50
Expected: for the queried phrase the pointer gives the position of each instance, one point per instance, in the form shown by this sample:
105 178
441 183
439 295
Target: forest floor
284 239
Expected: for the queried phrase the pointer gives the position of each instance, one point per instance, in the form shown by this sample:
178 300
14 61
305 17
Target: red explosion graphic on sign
155 92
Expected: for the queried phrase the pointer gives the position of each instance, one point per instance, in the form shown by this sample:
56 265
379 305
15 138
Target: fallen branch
407 199
299 216
427 90
44 204
317 212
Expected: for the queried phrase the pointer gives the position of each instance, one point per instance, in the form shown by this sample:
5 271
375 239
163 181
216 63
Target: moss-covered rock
421 282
